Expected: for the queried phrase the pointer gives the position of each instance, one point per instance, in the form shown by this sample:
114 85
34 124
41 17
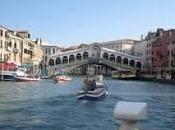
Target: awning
7 66
26 65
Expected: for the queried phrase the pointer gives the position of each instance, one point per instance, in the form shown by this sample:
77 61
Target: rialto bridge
93 59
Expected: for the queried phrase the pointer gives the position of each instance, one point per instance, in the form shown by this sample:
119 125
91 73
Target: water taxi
93 89
125 75
62 78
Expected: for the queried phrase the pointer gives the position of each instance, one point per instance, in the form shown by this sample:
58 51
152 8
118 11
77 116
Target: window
1 56
46 51
15 45
10 44
5 57
25 51
1 44
54 51
45 58
1 33
49 50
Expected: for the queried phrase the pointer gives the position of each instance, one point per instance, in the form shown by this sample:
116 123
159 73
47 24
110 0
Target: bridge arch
112 57
51 62
119 59
85 55
105 55
132 63
65 60
138 64
71 58
125 61
78 56
58 61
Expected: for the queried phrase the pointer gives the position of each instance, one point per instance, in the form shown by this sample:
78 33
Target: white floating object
131 111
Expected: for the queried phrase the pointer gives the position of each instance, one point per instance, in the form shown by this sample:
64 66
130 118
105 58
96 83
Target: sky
70 22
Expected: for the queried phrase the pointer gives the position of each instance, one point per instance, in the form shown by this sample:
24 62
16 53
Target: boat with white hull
98 93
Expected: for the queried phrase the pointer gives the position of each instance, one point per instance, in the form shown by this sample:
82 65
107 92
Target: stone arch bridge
93 54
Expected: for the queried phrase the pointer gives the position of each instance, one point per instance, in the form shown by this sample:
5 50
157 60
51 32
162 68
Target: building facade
48 51
157 50
124 46
18 48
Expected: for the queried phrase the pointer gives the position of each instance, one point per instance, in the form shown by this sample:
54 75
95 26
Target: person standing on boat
89 84
93 87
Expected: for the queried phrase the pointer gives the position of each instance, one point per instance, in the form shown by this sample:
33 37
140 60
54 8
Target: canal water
46 105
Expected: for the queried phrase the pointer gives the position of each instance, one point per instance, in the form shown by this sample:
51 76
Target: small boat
62 78
45 77
26 79
124 75
7 76
98 93
22 76
115 75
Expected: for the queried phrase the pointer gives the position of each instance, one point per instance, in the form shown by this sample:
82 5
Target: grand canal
46 105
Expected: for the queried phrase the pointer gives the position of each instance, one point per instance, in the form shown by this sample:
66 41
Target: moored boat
26 79
22 76
8 71
123 75
115 75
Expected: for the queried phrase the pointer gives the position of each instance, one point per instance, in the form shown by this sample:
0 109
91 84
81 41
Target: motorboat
45 77
22 76
62 78
98 93
26 79
115 75
124 75
7 75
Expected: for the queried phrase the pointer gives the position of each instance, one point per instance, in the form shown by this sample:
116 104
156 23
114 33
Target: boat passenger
93 85
89 85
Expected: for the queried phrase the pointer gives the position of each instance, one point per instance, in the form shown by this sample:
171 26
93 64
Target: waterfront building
124 45
157 51
49 50
18 48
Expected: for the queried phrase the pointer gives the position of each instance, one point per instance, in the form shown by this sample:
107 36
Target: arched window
132 63
112 57
71 58
65 60
119 59
125 61
58 60
78 56
15 45
138 65
105 56
51 62
85 55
